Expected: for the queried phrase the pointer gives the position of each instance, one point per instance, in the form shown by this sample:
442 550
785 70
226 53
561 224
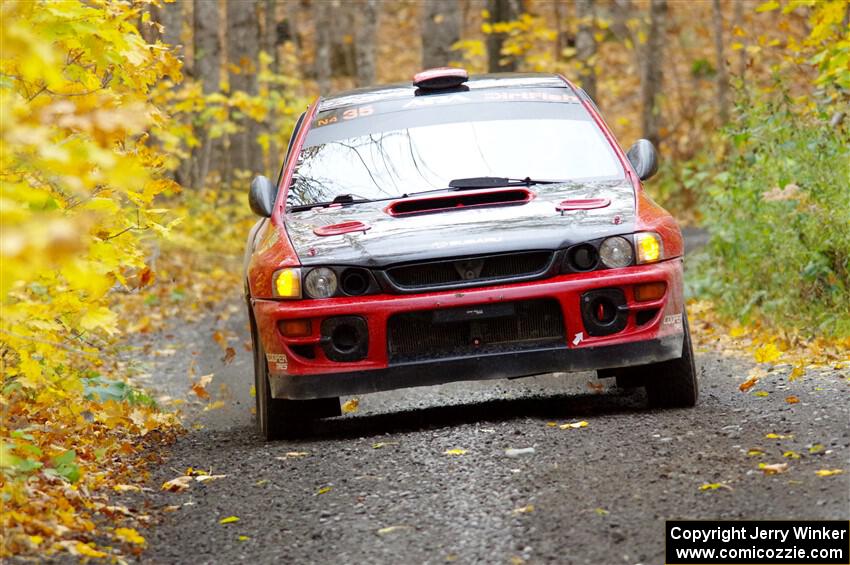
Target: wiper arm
339 199
472 183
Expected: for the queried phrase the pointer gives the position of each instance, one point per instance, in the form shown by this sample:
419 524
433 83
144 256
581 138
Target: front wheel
280 418
673 383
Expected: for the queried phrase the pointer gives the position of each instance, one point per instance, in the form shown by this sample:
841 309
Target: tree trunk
440 30
322 64
742 54
366 29
243 46
586 45
207 48
270 40
652 75
170 16
722 76
500 11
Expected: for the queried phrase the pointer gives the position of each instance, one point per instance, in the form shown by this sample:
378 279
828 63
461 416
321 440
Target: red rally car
460 228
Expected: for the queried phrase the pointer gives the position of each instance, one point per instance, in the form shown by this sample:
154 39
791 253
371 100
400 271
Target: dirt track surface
377 486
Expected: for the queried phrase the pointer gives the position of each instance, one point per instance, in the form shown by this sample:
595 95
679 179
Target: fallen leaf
86 550
454 452
126 488
229 356
218 404
199 387
761 393
791 455
527 509
773 468
178 484
229 520
220 339
129 535
383 444
207 478
796 373
778 436
816 448
391 529
828 472
792 399
755 452
714 486
293 455
323 490
748 384
601 511
350 406
243 538
767 353
552 424
574 425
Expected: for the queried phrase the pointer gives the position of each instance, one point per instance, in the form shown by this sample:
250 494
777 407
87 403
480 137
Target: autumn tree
321 13
441 21
365 40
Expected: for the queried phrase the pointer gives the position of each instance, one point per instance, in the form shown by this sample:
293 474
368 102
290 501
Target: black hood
462 232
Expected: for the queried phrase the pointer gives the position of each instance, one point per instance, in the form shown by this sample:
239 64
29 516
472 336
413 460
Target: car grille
476 330
470 270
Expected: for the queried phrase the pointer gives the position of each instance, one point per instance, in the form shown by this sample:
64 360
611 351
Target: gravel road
377 486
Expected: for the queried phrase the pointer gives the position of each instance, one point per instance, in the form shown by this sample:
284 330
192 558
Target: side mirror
644 158
262 196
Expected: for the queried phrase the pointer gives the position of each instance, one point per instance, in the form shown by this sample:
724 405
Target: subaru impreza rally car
460 228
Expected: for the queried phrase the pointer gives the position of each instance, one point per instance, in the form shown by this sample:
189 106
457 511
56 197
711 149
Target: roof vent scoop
440 78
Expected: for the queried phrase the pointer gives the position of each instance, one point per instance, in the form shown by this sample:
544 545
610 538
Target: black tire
280 418
673 384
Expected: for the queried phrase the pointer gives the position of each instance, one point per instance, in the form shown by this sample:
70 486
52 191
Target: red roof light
439 78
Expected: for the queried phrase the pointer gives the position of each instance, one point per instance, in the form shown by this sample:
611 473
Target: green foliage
778 208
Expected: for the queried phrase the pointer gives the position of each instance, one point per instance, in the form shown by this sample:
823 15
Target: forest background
131 129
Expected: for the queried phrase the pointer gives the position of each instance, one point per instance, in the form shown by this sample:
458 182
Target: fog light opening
604 311
344 338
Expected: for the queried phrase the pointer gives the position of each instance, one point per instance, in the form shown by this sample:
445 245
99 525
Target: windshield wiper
339 199
494 182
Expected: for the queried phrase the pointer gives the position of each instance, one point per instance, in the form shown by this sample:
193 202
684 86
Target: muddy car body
459 229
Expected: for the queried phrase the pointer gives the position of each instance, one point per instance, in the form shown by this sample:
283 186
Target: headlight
616 252
649 247
320 283
286 283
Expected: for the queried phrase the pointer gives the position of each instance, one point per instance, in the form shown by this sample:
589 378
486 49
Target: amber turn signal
295 328
650 291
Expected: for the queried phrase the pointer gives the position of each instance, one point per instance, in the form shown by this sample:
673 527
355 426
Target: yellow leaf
350 406
792 399
755 452
714 486
214 405
791 455
454 452
177 485
768 6
737 331
126 488
101 317
816 448
527 509
129 535
323 490
243 538
229 520
767 353
761 393
87 550
778 436
828 472
391 529
601 511
574 425
796 373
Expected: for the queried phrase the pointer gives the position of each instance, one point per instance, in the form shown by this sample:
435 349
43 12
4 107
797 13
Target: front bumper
296 377
497 366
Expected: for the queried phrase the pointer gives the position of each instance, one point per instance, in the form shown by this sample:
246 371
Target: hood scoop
339 229
468 199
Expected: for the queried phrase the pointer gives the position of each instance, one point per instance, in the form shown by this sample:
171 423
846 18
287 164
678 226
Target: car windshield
380 155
